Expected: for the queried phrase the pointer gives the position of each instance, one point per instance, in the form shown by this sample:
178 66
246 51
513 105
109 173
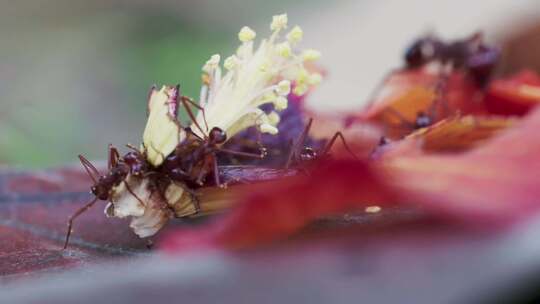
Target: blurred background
74 74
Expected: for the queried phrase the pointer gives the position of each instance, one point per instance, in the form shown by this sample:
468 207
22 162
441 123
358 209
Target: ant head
420 52
307 154
131 158
217 135
94 190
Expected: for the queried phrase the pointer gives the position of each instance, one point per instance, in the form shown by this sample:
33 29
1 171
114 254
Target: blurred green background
74 75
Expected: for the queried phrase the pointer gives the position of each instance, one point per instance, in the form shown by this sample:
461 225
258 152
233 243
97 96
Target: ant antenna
90 169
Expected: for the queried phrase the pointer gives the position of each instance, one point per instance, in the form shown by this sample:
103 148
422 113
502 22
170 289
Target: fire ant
118 169
301 154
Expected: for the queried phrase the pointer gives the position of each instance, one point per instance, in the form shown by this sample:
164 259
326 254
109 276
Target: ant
470 55
118 169
195 157
191 161
477 59
301 154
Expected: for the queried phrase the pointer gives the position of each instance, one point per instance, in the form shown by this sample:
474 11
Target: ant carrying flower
176 158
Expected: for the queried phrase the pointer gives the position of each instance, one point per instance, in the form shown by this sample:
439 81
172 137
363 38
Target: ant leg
238 153
190 132
114 156
90 169
440 94
193 103
74 216
202 173
190 114
216 173
333 141
376 92
128 187
299 143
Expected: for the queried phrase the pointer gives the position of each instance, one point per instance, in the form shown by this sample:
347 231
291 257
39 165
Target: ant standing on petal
118 170
470 55
301 154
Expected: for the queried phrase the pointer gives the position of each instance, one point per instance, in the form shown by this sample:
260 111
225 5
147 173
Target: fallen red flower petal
515 95
278 209
460 133
406 93
490 184
496 181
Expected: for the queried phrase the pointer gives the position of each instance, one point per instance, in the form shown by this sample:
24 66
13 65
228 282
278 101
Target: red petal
497 181
515 95
410 92
493 183
276 210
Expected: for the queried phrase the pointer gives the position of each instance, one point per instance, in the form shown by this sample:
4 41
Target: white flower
211 64
246 34
162 133
232 102
148 211
254 77
279 22
311 55
295 35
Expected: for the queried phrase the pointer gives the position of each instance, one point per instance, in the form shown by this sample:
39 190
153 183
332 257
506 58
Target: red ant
301 154
471 55
190 162
118 169
195 157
